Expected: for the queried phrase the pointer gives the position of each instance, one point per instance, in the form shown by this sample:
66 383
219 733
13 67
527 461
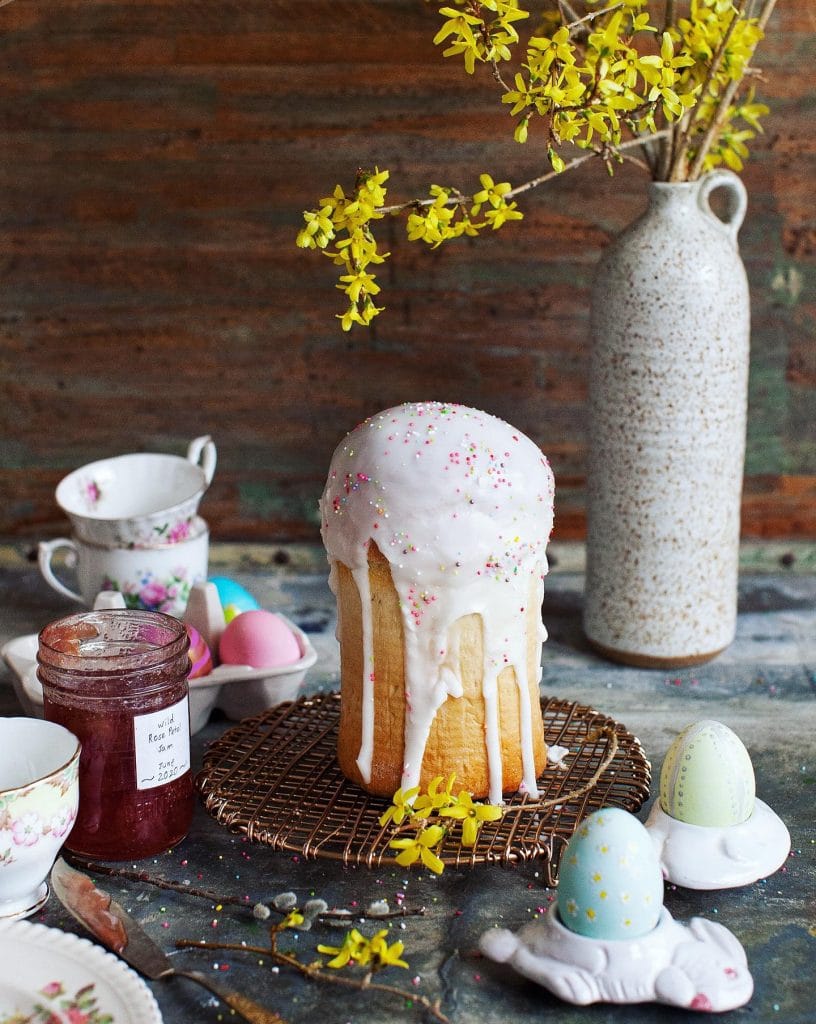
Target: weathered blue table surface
763 687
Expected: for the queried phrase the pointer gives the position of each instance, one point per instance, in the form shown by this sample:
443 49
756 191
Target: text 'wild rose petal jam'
117 679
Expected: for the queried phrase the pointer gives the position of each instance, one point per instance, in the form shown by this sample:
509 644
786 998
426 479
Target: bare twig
461 200
160 883
535 182
494 64
669 147
565 798
765 13
593 15
568 14
644 165
668 20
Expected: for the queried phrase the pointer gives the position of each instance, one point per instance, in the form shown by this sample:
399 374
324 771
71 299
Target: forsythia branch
593 81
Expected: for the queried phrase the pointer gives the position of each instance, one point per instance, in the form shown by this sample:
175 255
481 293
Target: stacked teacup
136 528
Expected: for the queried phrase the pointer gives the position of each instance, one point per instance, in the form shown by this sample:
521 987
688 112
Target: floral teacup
157 579
39 796
138 500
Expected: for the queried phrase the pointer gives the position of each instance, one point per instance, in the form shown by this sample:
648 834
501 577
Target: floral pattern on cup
152 593
62 1008
137 500
91 493
171 531
33 813
155 580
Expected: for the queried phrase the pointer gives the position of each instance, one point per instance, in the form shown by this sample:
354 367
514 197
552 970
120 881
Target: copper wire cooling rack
275 779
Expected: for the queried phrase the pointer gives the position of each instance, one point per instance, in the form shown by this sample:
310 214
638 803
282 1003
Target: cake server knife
111 925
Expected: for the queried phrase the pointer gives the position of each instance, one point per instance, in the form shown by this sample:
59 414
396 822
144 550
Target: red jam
118 680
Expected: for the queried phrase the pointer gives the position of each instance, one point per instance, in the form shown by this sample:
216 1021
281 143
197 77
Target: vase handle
737 200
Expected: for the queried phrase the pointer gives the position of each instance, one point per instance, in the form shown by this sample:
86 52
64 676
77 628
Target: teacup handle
203 449
45 552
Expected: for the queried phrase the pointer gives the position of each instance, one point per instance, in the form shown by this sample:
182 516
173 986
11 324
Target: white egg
707 777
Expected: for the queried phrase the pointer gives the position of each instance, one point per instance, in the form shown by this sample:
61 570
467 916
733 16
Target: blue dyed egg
610 885
232 593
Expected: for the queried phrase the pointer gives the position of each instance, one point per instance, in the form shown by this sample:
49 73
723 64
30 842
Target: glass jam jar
118 680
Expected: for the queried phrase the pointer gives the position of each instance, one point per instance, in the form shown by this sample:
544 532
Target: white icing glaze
461 505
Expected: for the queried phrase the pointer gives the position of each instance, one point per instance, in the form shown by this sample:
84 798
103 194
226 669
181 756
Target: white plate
45 967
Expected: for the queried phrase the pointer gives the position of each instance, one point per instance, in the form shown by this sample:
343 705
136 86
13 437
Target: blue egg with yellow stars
233 594
610 885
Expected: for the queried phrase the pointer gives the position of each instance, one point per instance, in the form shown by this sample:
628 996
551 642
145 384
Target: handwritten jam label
162 745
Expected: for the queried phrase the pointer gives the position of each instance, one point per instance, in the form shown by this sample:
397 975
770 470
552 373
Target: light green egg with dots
707 777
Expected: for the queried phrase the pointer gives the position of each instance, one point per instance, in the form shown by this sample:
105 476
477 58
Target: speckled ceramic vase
668 398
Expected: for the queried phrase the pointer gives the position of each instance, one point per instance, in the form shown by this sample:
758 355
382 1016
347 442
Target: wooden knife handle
242 1005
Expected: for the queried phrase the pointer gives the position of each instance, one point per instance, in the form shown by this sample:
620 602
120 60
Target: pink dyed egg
199 653
260 639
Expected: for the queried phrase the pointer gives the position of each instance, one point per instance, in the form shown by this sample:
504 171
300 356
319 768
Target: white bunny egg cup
699 966
711 857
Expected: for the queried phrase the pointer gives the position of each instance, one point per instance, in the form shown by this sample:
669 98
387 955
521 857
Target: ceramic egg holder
699 966
242 690
238 690
205 613
709 829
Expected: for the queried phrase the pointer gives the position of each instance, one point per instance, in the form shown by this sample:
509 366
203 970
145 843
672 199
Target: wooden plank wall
155 157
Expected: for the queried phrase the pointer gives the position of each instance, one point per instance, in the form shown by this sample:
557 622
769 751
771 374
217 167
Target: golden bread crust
456 742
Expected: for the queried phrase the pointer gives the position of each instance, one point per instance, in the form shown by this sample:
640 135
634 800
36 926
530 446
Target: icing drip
492 737
521 668
460 504
360 574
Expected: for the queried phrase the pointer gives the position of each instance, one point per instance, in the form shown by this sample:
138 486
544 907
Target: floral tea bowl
39 796
138 500
157 579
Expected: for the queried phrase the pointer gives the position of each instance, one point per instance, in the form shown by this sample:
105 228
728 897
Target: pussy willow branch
313 971
727 98
680 144
231 901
